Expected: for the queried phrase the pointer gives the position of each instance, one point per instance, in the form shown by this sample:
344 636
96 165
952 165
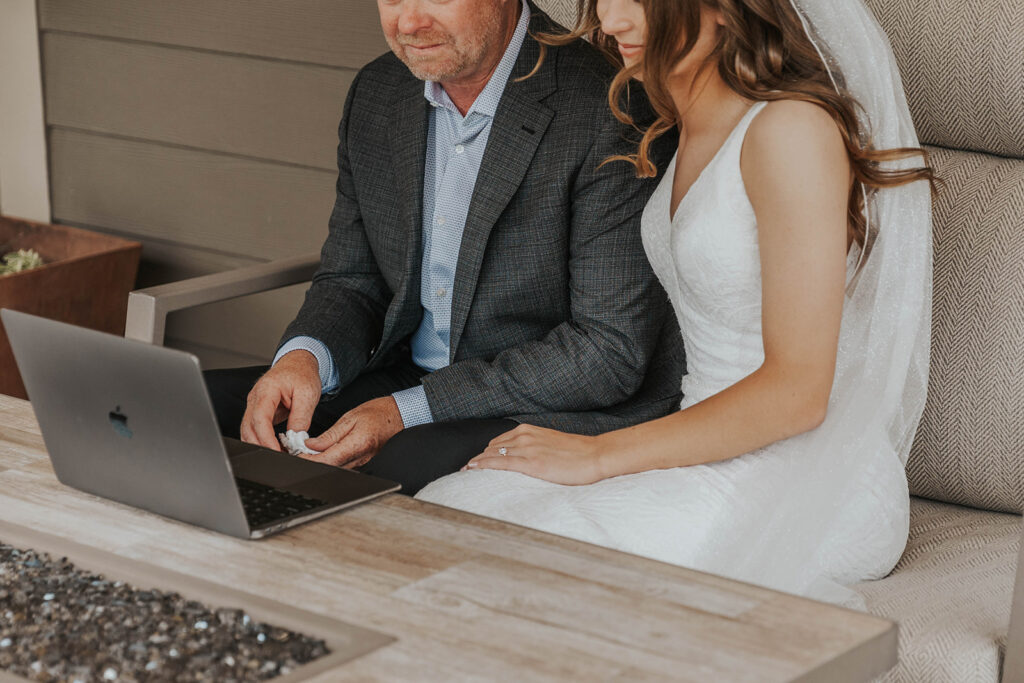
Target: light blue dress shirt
455 148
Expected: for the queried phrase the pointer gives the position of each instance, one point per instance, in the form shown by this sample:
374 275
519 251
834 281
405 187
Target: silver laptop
132 422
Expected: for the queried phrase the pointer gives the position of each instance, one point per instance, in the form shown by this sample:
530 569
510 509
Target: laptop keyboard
264 504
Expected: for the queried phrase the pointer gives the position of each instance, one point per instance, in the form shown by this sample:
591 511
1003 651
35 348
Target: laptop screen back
127 421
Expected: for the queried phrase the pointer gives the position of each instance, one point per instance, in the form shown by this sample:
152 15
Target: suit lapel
519 124
408 126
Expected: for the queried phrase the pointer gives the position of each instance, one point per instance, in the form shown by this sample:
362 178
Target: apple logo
120 422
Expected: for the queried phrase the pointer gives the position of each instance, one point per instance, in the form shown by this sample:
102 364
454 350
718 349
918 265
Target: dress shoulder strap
739 133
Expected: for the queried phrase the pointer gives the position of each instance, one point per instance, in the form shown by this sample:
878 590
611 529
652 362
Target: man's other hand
355 438
289 389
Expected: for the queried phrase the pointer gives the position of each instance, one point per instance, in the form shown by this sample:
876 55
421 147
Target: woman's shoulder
793 128
793 149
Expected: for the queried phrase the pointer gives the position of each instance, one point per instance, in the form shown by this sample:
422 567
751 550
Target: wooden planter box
85 281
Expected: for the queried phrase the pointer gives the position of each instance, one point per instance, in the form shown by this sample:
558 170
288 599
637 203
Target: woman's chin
627 62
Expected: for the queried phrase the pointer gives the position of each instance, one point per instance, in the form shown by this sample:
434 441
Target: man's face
446 40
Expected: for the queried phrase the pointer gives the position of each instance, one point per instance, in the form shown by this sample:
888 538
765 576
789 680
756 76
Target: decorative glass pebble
62 623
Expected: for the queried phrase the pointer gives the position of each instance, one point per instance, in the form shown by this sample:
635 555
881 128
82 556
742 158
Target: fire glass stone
60 623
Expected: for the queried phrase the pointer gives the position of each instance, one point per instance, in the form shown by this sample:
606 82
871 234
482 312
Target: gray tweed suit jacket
557 319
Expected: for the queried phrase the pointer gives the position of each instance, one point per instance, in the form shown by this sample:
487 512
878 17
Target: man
482 267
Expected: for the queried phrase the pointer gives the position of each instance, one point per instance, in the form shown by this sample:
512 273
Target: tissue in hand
295 443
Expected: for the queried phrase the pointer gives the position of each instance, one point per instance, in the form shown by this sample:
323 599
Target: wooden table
470 598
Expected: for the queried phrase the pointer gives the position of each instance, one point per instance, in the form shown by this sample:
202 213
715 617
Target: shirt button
440 220
459 149
441 291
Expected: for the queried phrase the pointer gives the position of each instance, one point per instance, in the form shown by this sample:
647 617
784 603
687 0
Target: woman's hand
544 454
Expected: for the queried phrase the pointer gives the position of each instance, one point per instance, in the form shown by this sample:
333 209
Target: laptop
133 422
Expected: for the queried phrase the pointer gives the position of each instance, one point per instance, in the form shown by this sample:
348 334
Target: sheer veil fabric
881 376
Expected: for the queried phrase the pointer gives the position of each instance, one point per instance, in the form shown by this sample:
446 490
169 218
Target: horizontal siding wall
341 33
236 205
204 100
206 130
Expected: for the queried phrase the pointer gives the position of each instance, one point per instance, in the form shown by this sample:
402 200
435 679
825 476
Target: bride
792 233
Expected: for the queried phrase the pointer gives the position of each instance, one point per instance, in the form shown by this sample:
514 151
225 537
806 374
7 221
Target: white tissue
295 443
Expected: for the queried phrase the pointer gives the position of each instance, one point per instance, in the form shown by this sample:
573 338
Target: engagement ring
502 451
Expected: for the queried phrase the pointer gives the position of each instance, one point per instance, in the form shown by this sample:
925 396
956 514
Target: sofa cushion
950 593
562 11
969 447
963 68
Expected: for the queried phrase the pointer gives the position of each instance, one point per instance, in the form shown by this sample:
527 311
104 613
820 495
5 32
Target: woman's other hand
545 454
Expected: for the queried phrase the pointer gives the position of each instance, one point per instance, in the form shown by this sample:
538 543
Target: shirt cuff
328 373
413 406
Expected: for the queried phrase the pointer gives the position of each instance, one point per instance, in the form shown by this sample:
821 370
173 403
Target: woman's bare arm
798 178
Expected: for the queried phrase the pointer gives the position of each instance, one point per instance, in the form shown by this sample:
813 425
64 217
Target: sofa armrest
1013 662
148 308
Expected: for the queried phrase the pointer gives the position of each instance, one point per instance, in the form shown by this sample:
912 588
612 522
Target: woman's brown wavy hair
763 53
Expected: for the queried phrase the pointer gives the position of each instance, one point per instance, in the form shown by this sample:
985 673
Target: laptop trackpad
268 467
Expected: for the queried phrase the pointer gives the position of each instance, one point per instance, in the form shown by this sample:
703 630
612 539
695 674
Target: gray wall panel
259 321
206 129
213 357
219 202
275 110
332 32
164 261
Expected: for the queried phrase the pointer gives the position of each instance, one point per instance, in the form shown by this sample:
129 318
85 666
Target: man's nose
413 18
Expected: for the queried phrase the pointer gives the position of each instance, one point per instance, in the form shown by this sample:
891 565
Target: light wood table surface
470 598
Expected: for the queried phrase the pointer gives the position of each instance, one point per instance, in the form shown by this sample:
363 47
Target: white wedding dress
783 516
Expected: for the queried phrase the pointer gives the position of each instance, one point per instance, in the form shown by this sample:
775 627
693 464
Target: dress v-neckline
670 175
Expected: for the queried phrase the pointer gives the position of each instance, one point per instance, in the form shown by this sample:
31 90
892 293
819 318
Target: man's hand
291 388
357 436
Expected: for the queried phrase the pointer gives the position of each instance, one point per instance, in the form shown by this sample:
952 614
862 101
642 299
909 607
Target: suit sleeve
345 305
599 356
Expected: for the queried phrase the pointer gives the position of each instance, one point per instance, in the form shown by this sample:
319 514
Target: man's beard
455 60
450 60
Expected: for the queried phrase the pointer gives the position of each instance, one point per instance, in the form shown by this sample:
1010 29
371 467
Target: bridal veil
881 374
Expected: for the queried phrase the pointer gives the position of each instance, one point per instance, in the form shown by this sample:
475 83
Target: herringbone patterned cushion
969 448
562 11
950 594
962 63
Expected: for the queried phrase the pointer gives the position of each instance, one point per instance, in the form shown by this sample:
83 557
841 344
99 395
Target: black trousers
414 457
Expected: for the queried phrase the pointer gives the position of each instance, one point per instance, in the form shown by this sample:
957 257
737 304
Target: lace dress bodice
707 258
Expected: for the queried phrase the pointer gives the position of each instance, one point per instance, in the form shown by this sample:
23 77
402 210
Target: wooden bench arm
148 308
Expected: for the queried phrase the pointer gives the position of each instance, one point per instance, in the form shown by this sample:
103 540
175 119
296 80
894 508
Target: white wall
24 183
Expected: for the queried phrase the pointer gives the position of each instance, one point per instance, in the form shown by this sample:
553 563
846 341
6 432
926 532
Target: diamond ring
502 451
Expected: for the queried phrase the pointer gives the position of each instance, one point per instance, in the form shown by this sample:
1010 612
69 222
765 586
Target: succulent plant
17 261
